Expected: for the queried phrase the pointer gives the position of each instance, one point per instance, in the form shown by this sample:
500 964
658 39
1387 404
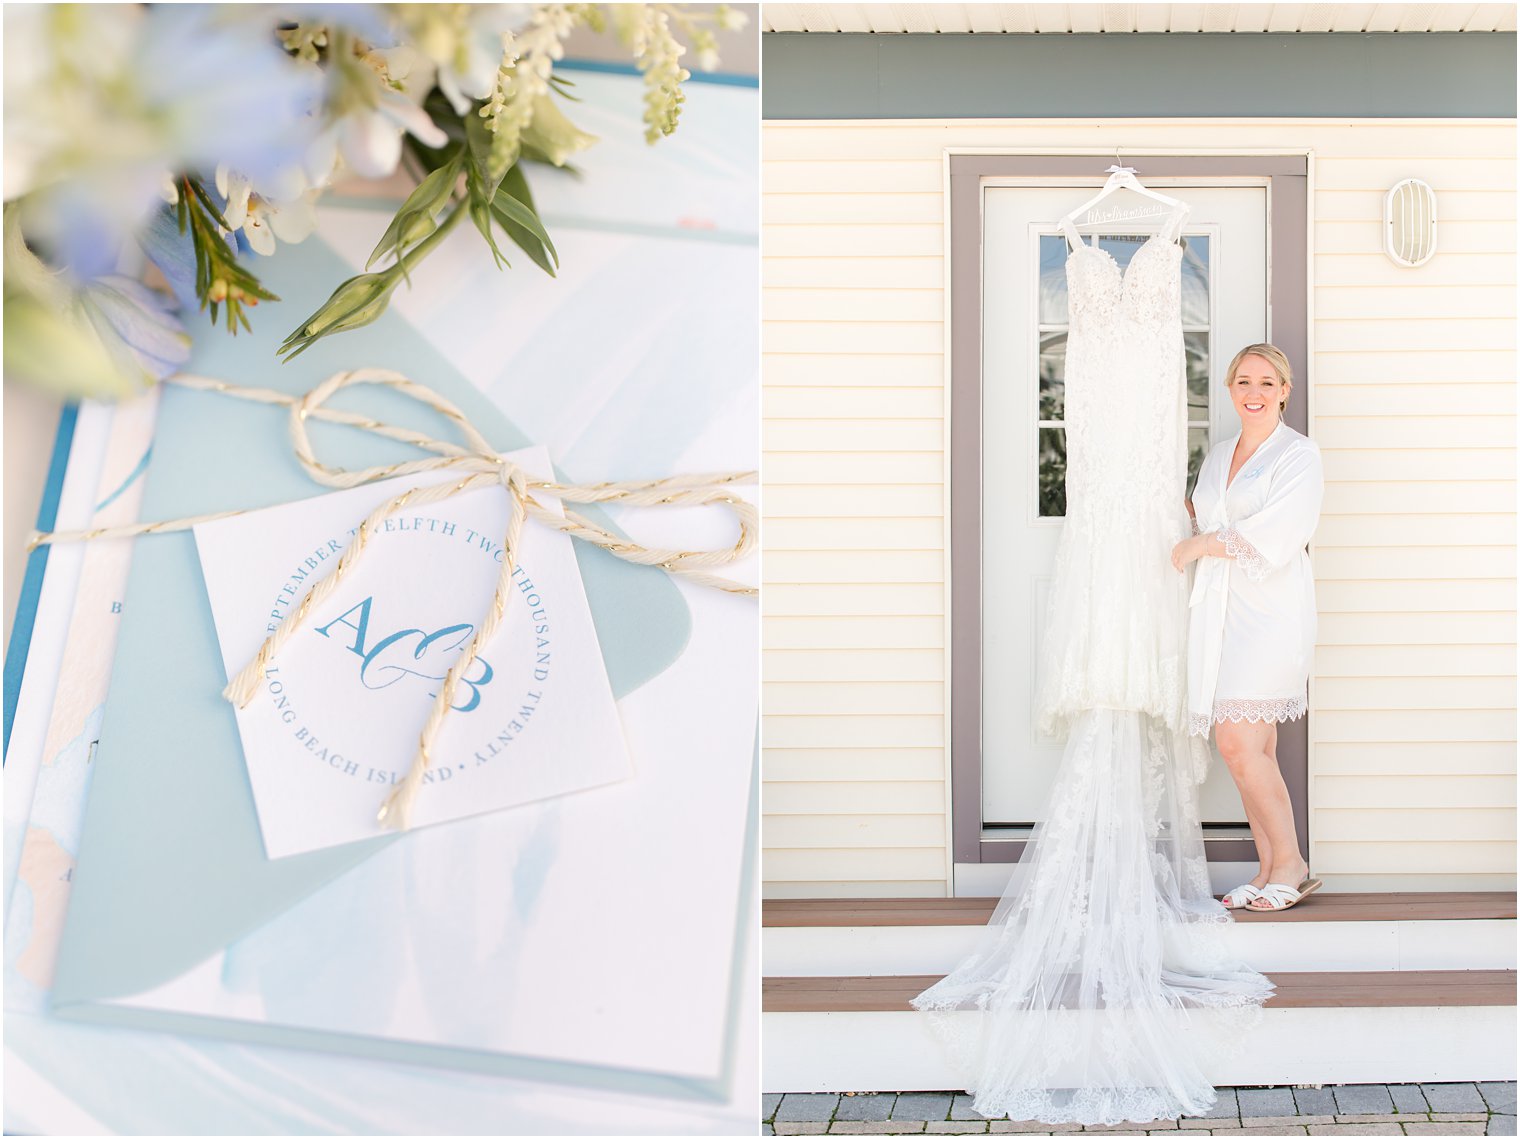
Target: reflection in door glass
1198 447
1195 346
1052 373
1195 281
1052 472
1053 250
1052 376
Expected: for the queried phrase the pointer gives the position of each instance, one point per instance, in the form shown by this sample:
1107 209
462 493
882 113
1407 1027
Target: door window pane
1053 250
1195 280
1052 472
1198 447
1195 346
1052 376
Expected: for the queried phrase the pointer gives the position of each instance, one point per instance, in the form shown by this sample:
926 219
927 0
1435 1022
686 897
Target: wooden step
856 912
1444 988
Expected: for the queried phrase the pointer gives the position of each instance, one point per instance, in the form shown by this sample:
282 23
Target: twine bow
481 465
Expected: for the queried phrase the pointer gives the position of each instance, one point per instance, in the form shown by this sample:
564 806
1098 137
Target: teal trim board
1139 75
721 78
36 567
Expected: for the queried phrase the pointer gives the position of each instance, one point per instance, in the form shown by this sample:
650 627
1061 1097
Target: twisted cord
481 465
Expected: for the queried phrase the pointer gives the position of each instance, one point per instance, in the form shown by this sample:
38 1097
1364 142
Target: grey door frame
1288 324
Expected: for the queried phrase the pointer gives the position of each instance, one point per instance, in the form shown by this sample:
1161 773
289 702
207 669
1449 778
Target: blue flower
136 326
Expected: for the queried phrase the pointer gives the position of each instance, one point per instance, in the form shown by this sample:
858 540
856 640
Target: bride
1104 982
1253 625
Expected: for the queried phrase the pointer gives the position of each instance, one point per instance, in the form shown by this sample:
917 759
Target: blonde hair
1272 355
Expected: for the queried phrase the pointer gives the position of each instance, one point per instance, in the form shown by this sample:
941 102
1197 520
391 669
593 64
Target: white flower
521 86
464 43
372 99
369 140
262 219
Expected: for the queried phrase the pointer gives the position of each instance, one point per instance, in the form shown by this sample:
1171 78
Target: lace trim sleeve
1197 529
1245 554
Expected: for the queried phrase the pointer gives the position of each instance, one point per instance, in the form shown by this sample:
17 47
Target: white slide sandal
1278 896
1240 897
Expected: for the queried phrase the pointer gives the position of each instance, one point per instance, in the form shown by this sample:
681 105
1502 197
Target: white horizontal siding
842 764
1415 660
1377 631
1412 398
1412 757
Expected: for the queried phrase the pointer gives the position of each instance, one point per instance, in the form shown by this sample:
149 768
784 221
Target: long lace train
1105 979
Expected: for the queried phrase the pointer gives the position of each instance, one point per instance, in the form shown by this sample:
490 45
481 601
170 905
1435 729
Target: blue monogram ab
409 652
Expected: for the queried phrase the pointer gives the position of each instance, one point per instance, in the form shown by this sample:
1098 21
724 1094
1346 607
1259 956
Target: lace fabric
1116 619
1276 710
1104 983
1245 554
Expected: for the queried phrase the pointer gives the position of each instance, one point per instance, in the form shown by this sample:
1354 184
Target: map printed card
336 721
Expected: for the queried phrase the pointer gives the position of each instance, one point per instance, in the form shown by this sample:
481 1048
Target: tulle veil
1105 979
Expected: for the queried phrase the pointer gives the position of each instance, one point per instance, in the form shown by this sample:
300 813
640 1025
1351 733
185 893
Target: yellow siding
1412 399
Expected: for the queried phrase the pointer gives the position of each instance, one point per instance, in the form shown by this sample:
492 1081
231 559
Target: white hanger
1120 178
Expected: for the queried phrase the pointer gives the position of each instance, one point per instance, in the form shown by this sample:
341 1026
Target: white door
1224 302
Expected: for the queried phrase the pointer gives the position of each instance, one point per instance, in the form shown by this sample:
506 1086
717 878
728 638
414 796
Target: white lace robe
1252 616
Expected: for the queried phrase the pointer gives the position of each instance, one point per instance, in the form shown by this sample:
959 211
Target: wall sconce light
1409 223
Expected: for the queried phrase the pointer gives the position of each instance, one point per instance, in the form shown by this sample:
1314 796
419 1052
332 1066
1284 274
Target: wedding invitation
448 979
336 721
542 940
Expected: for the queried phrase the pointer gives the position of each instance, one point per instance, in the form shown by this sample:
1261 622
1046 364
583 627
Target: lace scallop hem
1253 711
1245 555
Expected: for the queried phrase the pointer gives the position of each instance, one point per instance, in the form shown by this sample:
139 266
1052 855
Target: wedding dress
1104 982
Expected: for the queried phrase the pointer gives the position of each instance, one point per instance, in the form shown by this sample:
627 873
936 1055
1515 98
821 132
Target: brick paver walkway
1342 1109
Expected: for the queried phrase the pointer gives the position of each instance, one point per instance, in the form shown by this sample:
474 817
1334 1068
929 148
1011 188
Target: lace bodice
1125 379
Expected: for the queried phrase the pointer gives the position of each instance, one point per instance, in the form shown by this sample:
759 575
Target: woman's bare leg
1263 846
1258 832
1250 752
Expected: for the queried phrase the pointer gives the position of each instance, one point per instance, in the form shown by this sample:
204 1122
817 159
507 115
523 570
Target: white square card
338 718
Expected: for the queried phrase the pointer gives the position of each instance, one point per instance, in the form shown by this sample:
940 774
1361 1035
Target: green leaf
516 183
205 200
491 155
559 83
216 260
525 241
514 210
530 153
514 190
550 132
481 214
418 215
